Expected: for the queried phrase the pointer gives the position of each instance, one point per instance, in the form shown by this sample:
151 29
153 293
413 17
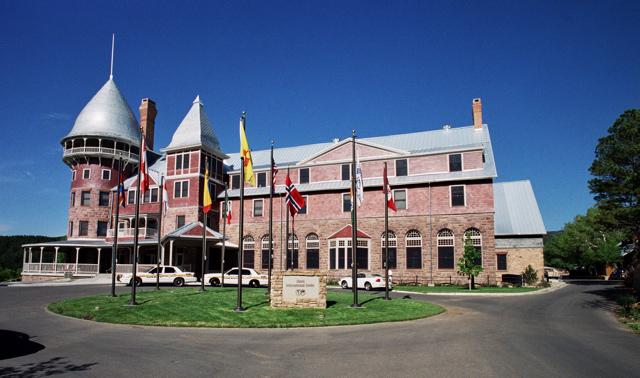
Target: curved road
567 332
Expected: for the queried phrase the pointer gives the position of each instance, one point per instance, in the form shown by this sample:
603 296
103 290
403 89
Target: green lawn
187 307
464 289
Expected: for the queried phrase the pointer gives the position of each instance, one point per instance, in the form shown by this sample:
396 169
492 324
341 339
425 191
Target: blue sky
553 76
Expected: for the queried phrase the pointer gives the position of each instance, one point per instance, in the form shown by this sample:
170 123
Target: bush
7 274
626 301
544 284
530 276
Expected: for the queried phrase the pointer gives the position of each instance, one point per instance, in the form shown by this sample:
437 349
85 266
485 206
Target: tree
616 180
470 264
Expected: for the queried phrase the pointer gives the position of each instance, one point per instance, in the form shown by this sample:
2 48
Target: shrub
544 284
626 301
530 276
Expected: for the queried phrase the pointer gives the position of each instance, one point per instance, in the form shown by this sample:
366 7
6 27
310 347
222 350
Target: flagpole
270 225
224 236
160 190
114 251
134 265
287 229
354 224
204 227
239 307
386 236
281 238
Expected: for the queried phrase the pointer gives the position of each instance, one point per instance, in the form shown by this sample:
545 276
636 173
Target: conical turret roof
107 115
195 131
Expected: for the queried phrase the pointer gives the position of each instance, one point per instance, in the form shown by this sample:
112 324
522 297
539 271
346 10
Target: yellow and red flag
206 196
245 154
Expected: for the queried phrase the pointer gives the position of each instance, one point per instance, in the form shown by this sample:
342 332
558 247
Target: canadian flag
144 174
387 190
165 195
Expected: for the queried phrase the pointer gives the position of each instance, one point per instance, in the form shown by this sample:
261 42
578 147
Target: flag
245 153
122 200
387 190
359 183
274 167
294 200
165 194
144 174
206 196
226 208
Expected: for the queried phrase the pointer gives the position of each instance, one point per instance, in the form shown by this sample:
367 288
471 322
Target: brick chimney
148 114
476 107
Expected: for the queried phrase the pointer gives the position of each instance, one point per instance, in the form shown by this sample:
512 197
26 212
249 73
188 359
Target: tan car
552 272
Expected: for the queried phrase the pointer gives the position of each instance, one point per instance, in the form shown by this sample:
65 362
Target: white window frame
476 241
464 188
265 179
346 243
108 174
175 163
406 197
253 207
306 205
461 161
395 167
178 216
85 170
175 183
309 175
350 171
342 203
129 196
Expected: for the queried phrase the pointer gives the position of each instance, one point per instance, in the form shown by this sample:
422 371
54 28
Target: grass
187 307
464 289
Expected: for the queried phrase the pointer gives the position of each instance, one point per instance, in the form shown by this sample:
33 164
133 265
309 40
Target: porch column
24 258
55 260
98 271
171 252
40 264
30 255
162 253
77 255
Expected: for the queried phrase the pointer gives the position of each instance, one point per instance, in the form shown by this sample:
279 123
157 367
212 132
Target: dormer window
235 182
401 167
262 179
182 161
304 175
455 162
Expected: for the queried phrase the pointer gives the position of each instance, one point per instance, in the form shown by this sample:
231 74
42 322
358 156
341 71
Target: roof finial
113 43
197 100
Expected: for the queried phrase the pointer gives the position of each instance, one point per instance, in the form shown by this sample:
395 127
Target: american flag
275 173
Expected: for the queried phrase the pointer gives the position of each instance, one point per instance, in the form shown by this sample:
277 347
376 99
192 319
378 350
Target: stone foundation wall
40 277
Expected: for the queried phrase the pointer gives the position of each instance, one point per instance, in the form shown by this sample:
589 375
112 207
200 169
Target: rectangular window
182 161
362 258
400 199
248 259
73 175
103 200
219 169
106 174
392 258
457 195
313 259
346 202
304 175
181 189
131 197
346 172
292 259
414 257
180 221
83 228
70 228
306 205
401 167
154 194
102 228
332 258
262 179
235 182
502 261
265 259
445 258
86 173
455 162
257 207
85 198
73 199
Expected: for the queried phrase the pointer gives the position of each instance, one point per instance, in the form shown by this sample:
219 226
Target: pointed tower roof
195 131
107 115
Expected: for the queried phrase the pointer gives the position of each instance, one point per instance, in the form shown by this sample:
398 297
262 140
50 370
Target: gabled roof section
516 208
193 230
345 232
364 148
196 131
107 115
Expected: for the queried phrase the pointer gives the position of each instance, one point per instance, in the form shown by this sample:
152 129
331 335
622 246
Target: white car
249 277
367 281
168 274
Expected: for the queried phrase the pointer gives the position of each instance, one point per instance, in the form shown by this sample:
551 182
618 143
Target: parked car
249 277
367 281
552 272
168 274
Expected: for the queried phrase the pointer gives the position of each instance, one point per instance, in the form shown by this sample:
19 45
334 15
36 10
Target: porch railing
129 233
60 268
102 150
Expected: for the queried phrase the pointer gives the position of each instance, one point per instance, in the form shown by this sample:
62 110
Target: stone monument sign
304 289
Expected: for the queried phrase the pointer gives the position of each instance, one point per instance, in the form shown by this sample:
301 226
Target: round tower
104 131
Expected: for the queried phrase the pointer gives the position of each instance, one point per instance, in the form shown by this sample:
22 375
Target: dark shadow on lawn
16 344
56 365
257 304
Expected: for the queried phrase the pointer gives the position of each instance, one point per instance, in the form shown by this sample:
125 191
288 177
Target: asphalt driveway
564 333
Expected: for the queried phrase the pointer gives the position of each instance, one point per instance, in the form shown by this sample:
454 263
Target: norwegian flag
144 178
387 190
294 200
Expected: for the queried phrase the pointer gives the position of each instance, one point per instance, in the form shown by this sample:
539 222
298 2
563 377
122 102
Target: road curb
555 287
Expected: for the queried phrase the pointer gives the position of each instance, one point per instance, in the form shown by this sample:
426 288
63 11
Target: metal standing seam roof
107 115
196 130
516 209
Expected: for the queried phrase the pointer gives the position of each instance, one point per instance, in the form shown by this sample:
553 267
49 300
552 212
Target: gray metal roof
516 208
195 131
107 115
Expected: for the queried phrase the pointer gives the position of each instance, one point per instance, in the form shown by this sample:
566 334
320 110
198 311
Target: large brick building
442 181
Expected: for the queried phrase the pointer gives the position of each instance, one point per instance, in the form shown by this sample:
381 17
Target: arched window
248 247
476 241
313 251
265 252
292 251
446 251
413 242
393 246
